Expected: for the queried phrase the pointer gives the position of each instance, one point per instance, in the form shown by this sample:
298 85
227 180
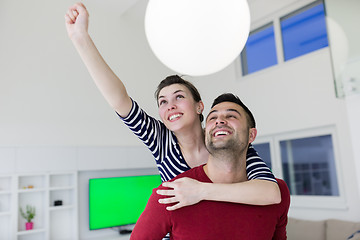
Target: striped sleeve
256 168
161 142
146 128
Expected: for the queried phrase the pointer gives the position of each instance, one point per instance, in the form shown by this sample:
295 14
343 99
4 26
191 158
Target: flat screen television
119 201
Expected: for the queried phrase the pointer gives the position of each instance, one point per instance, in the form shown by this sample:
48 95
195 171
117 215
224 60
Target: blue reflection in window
259 51
309 166
263 150
304 31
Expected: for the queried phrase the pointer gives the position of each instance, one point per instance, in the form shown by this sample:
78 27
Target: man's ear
252 134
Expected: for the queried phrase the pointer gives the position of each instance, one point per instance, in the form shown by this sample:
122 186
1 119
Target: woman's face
177 108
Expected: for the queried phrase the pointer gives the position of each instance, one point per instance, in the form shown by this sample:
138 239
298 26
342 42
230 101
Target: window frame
243 55
307 201
276 168
274 18
294 13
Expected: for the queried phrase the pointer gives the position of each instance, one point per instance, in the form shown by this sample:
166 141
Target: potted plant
28 215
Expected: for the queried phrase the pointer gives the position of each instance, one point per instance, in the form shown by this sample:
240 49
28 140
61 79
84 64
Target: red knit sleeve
154 222
280 231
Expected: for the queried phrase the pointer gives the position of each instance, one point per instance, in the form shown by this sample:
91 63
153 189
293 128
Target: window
307 161
304 31
259 51
309 166
263 150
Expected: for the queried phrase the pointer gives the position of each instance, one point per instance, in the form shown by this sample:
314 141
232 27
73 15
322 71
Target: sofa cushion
355 236
338 229
298 229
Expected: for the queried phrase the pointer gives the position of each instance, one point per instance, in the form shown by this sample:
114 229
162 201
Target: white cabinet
54 196
31 190
6 204
63 218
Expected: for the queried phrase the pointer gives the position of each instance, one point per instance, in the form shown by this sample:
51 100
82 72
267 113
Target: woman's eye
162 102
179 96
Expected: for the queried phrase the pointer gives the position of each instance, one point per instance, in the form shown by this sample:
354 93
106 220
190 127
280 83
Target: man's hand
77 19
184 192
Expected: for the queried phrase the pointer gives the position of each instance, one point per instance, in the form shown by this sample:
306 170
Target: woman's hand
184 192
77 20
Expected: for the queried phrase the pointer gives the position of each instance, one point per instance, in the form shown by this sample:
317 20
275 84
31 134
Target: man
230 128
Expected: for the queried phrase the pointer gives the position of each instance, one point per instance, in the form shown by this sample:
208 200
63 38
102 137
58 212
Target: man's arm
154 222
280 231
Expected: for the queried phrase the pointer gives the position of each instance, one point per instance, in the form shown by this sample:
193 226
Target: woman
180 109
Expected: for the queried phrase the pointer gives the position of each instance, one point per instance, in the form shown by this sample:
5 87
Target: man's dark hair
175 79
229 97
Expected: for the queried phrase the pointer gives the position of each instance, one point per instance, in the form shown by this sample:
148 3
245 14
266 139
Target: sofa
331 229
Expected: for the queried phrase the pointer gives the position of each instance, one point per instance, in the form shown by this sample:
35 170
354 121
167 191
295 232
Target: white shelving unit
6 200
31 190
40 191
63 218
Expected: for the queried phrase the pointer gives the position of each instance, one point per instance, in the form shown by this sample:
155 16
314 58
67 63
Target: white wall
46 94
47 98
353 103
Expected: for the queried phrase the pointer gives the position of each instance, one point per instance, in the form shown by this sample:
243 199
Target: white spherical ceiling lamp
197 37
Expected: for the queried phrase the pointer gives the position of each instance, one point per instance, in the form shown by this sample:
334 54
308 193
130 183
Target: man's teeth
174 116
221 133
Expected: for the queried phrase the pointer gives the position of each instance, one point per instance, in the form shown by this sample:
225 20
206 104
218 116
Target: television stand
119 237
125 231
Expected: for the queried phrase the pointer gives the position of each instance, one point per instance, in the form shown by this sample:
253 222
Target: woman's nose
171 106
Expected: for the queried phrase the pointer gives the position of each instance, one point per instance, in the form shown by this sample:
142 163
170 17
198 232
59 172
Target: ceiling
265 7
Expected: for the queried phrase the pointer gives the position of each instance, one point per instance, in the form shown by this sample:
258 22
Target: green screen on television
119 201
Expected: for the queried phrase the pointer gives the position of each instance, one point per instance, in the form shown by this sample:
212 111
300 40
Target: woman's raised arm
111 87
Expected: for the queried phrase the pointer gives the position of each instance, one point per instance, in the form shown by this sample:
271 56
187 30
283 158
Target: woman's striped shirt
165 148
